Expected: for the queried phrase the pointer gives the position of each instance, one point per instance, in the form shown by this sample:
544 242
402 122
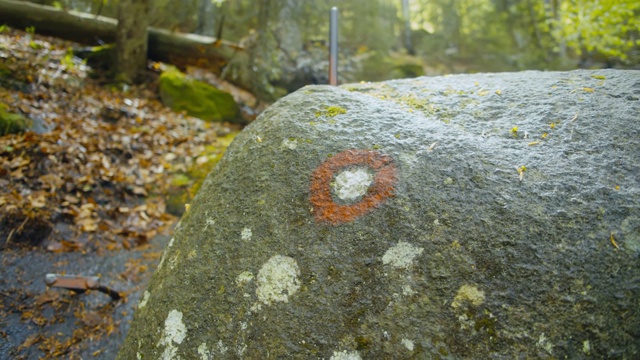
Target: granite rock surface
467 216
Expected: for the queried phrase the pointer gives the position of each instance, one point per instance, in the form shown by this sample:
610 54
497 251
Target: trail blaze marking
384 178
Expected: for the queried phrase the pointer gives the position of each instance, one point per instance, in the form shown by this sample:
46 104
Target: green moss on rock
11 123
196 98
331 111
185 186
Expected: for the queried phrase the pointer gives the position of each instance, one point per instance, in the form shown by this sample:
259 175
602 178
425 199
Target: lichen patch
408 344
174 333
352 184
203 351
289 144
278 279
164 254
345 355
401 255
469 294
244 278
246 234
145 298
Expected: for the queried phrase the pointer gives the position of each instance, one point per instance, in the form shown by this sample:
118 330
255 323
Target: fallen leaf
37 201
47 297
139 190
32 339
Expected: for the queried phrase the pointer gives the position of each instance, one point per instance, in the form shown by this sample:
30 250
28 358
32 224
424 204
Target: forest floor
87 192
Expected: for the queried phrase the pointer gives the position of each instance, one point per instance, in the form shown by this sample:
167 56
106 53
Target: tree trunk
555 26
206 18
166 46
131 40
451 27
408 44
534 24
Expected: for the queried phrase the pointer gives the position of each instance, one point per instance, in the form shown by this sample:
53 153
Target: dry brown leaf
37 200
47 297
31 340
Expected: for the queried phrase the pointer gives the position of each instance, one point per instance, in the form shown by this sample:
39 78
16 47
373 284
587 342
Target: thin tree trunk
451 25
534 24
562 45
408 44
258 48
131 40
206 21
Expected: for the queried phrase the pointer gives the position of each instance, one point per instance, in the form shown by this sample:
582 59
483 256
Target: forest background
383 39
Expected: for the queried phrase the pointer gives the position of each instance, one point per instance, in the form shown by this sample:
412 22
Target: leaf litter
90 180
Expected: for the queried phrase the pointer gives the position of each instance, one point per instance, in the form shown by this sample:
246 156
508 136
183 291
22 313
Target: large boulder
469 216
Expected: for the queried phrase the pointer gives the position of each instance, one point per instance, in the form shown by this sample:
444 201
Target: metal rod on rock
333 47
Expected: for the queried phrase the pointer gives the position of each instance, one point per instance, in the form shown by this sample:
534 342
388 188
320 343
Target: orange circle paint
382 187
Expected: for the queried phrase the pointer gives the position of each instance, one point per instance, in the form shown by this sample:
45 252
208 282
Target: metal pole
333 47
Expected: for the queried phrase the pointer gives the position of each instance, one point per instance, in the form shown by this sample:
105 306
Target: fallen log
175 48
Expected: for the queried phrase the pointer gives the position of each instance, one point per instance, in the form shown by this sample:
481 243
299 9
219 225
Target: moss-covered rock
11 123
184 186
196 98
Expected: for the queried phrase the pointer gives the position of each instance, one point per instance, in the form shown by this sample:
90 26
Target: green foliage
518 34
3 28
606 27
67 60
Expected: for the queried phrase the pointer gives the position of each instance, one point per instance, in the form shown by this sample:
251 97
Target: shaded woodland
282 44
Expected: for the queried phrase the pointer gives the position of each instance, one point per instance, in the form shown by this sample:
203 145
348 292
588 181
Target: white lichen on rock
469 294
290 144
401 255
353 183
246 234
544 343
174 334
203 351
278 279
345 355
145 298
408 344
164 254
174 260
407 290
222 349
244 278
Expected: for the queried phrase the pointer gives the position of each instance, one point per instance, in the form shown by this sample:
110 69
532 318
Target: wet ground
39 322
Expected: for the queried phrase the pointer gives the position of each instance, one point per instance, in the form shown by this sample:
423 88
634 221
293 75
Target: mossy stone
196 98
12 123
